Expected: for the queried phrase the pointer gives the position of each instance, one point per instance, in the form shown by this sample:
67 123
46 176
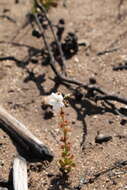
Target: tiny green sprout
46 3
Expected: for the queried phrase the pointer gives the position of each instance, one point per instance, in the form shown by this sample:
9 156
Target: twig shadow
7 184
86 107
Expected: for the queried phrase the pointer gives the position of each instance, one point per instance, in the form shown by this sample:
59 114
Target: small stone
1 163
83 42
73 122
123 122
57 130
95 116
110 122
50 174
101 138
124 58
76 60
1 144
92 80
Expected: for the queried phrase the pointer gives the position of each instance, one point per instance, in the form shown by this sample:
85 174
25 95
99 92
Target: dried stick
107 51
65 80
62 78
120 67
24 137
8 18
20 181
112 98
42 9
116 165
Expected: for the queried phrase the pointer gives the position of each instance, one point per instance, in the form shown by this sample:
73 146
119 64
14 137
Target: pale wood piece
36 149
20 181
17 126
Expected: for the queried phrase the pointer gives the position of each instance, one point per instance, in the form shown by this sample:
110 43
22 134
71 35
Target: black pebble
100 138
92 80
123 121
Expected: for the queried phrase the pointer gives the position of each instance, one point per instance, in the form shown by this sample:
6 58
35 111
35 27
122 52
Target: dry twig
42 9
84 181
92 89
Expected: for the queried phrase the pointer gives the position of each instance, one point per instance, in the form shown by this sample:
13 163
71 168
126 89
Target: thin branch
40 6
65 80
8 18
120 67
112 98
119 164
107 51
11 58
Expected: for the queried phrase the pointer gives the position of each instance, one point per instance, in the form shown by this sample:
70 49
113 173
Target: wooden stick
20 181
33 147
41 7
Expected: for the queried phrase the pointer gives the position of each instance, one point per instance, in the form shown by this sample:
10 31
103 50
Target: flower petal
60 97
56 100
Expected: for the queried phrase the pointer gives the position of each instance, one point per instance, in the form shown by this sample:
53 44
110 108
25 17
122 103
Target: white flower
56 101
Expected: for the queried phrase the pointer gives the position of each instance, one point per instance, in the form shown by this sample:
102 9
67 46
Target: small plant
66 162
46 3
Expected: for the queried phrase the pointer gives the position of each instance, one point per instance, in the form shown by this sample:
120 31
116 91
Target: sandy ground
97 23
